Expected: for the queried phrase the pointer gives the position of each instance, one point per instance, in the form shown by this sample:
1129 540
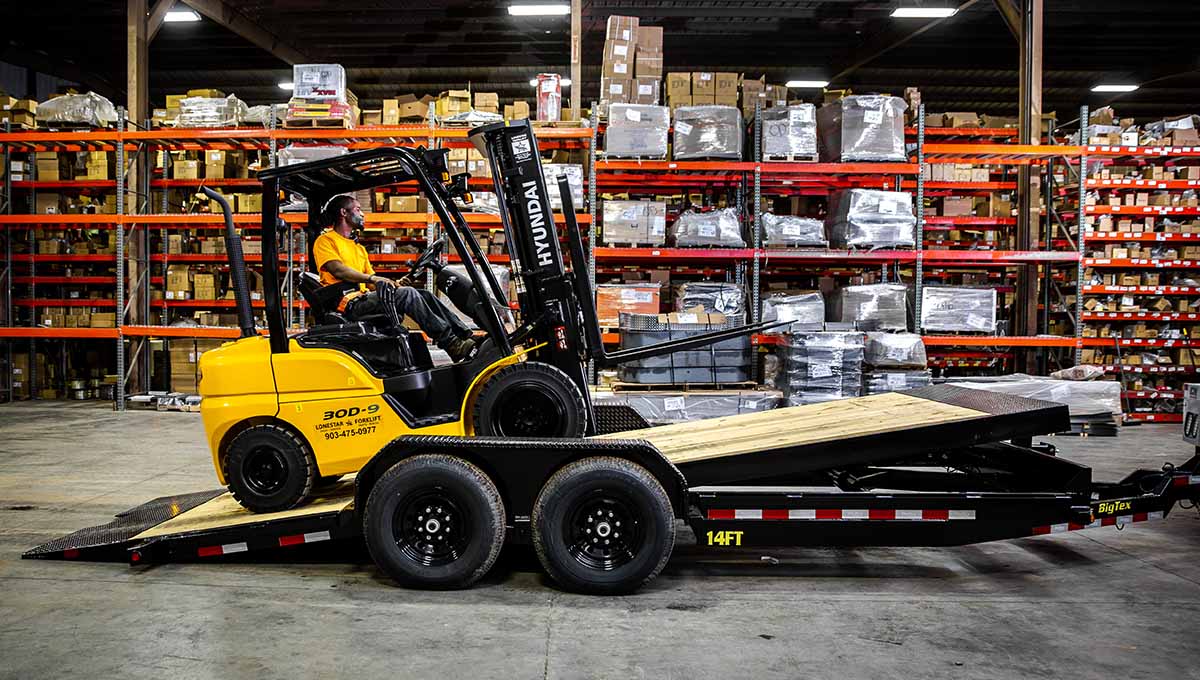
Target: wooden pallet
618 386
631 244
791 159
335 123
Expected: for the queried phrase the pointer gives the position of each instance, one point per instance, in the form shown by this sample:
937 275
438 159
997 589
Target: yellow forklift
286 414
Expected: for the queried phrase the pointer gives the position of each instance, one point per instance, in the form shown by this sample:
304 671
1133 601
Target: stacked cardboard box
648 66
321 92
619 64
406 108
185 362
679 90
452 102
22 113
487 102
516 110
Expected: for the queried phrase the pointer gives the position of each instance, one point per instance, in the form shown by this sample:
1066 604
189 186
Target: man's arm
344 272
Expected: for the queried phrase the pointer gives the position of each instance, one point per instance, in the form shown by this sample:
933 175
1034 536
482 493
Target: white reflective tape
316 536
1124 519
230 548
1158 514
962 514
1194 479
807 513
856 514
1059 528
908 514
1095 525
747 514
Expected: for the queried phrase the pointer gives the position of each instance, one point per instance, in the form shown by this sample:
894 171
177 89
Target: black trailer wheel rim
431 527
604 530
527 410
265 470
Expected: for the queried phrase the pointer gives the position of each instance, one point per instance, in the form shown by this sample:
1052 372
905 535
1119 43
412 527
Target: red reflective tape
881 514
828 514
1038 531
1071 526
720 514
295 539
774 514
209 551
935 514
1139 517
1108 521
71 553
1180 481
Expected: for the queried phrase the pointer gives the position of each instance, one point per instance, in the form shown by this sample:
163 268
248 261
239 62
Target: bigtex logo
1113 508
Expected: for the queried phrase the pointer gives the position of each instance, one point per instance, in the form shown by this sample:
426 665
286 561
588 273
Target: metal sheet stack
896 362
820 367
727 361
661 408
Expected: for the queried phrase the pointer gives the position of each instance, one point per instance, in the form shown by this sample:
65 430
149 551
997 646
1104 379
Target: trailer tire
603 499
434 521
530 399
269 468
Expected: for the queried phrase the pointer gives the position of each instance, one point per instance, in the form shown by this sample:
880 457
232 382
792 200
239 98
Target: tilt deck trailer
940 465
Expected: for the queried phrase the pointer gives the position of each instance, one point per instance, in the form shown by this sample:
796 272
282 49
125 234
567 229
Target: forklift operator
341 259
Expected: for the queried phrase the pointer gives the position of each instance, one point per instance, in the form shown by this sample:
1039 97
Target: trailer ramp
873 430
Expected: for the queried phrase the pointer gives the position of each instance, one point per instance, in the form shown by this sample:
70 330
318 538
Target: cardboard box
646 90
726 85
490 99
638 298
968 119
679 85
618 68
704 83
372 117
249 203
47 203
622 28
175 244
185 170
649 65
650 39
517 110
452 102
409 204
103 320
776 95
953 206
618 50
616 90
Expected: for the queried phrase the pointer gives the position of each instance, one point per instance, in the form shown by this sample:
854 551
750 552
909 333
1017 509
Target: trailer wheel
269 468
434 521
530 399
603 526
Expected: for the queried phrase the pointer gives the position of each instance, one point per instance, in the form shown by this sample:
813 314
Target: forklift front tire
269 468
434 521
604 526
530 400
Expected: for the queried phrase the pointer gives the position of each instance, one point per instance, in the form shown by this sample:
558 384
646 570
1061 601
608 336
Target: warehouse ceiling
965 63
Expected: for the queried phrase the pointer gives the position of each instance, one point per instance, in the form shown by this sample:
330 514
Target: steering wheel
428 258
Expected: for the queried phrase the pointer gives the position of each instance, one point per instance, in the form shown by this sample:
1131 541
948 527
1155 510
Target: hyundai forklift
939 465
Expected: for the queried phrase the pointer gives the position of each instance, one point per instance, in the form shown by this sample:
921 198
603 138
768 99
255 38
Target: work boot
461 348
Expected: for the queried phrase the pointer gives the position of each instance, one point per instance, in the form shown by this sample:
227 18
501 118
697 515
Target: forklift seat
323 301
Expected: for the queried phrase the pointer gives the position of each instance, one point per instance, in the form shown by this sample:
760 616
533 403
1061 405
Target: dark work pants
426 310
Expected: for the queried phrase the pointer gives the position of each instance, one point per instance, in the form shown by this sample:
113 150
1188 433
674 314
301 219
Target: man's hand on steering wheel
378 281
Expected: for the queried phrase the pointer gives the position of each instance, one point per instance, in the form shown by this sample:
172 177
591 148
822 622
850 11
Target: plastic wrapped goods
895 350
722 362
806 312
303 154
1082 397
821 367
319 82
661 407
958 308
202 112
634 222
574 173
723 298
788 230
862 128
721 228
879 381
261 114
637 131
868 218
871 307
708 132
89 108
790 131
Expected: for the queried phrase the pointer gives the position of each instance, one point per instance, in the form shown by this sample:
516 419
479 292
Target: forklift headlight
445 177
468 198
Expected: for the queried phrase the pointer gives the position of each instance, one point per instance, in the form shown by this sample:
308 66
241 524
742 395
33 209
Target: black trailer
936 466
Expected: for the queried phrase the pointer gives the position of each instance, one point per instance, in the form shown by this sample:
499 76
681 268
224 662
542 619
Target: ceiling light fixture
807 84
923 12
1114 88
287 86
180 15
555 10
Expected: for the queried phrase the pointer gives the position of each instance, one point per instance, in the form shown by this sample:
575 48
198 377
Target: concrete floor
1098 603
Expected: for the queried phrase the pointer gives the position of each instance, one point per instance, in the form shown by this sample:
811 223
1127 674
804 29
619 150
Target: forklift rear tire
603 526
531 400
434 521
269 468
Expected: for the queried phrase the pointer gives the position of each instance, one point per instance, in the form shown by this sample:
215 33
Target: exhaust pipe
237 266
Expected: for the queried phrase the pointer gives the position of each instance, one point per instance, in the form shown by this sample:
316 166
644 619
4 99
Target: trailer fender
520 467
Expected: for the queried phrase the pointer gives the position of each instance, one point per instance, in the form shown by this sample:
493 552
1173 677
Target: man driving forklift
344 264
